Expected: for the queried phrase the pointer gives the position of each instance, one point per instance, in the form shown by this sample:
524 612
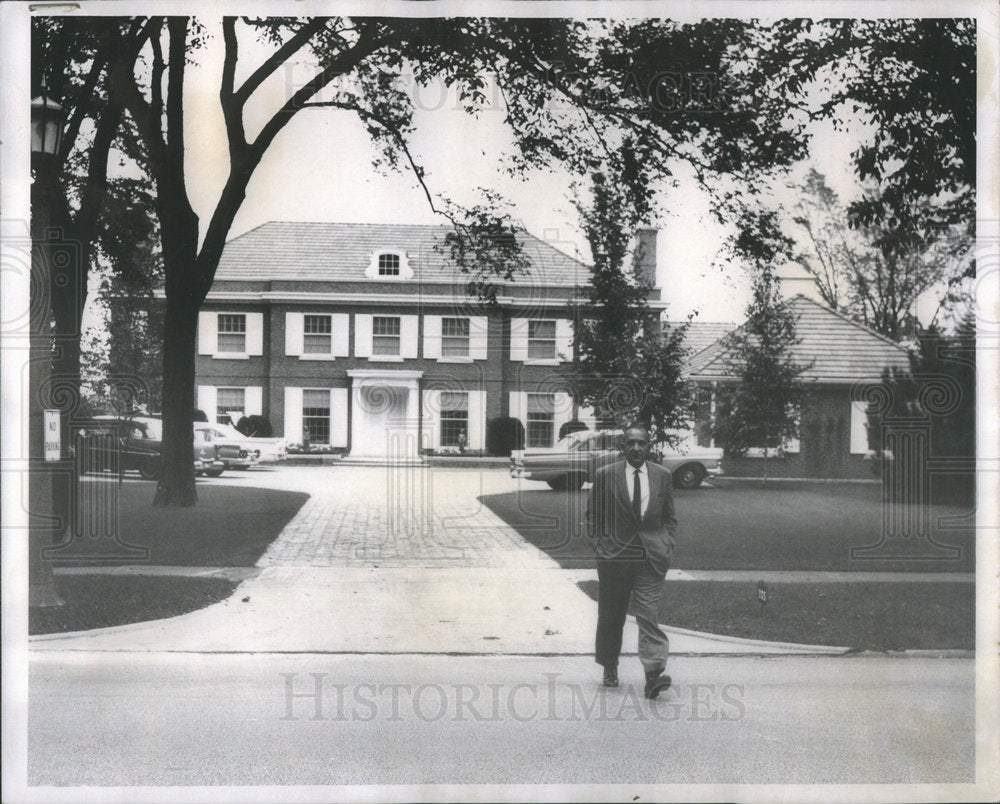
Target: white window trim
405 271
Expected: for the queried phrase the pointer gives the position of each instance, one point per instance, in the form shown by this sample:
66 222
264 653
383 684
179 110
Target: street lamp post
44 430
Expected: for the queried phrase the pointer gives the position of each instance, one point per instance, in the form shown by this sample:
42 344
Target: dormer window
389 264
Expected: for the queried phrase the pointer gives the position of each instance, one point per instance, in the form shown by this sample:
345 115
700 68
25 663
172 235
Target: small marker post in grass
762 596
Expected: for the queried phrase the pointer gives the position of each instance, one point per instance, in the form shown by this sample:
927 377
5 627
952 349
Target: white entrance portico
385 414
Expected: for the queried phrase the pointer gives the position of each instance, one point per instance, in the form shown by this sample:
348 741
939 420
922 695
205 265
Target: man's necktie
636 496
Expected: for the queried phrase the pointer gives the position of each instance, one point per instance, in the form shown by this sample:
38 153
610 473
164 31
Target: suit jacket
612 526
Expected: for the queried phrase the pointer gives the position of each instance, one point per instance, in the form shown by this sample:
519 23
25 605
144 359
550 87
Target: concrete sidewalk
404 560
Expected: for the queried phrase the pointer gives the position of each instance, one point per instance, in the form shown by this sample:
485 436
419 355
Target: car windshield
569 443
143 427
228 431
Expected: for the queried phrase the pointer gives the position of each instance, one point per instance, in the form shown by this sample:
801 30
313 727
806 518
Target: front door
383 426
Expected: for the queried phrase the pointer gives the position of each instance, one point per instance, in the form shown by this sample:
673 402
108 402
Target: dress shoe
610 676
656 684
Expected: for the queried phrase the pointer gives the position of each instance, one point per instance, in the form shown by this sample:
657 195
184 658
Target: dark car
135 443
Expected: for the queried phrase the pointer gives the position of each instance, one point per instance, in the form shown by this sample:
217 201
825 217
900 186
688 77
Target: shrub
255 425
504 434
574 426
199 416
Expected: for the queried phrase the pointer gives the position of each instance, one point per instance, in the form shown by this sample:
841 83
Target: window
385 335
230 404
232 333
541 420
454 337
316 335
388 265
541 340
316 416
454 418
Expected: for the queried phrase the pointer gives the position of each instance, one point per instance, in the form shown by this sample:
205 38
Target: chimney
794 280
644 261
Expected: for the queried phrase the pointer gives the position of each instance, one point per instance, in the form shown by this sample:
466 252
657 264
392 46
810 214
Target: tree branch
232 108
242 169
276 59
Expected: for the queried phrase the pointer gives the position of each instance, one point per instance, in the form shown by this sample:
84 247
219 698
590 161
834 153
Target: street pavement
448 650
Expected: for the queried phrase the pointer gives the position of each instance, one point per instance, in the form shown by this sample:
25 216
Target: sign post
53 437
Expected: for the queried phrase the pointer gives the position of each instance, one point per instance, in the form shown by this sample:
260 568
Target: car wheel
575 482
148 470
689 476
558 483
214 472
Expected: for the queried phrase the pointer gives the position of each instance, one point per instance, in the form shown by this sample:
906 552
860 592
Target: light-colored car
577 457
264 450
238 454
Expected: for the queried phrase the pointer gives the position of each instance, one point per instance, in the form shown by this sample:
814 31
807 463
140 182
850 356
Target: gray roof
701 334
324 252
839 349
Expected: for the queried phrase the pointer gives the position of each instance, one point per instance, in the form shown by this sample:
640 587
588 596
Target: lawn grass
229 527
99 601
741 526
863 616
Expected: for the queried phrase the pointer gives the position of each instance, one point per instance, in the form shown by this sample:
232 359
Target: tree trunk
176 487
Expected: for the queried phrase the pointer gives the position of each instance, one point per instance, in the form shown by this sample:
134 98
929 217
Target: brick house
364 336
845 357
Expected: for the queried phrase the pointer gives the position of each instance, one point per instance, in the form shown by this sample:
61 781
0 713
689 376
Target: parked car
136 444
232 451
266 450
577 457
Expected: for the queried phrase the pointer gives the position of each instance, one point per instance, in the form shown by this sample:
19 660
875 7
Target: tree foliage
875 287
759 408
626 366
938 391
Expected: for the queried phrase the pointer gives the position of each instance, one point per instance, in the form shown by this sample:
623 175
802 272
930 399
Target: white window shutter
255 333
293 415
430 431
478 331
338 417
340 339
859 428
519 339
477 420
409 335
564 339
362 335
562 411
294 324
432 337
253 401
208 332
792 444
206 400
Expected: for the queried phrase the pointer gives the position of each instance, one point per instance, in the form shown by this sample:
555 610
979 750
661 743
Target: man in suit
631 526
